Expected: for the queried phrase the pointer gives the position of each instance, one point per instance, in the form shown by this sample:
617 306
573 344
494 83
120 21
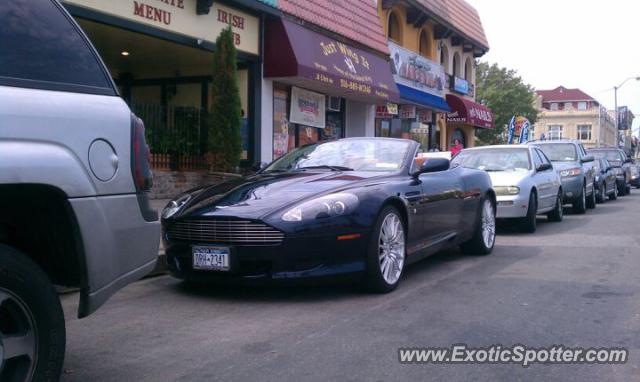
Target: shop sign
387 111
412 70
307 108
179 16
408 111
392 108
460 85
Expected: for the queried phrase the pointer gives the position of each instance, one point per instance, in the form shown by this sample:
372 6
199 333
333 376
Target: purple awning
297 55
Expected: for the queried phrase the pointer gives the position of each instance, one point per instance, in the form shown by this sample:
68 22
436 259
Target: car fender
33 162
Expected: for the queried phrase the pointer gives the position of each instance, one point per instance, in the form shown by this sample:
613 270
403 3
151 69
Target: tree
506 94
225 142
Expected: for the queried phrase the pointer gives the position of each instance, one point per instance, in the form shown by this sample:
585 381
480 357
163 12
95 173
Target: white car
524 180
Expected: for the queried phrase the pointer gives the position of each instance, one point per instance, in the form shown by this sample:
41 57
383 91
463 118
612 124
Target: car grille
231 232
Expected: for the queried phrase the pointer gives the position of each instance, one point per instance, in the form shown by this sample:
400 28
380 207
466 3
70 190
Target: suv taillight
140 156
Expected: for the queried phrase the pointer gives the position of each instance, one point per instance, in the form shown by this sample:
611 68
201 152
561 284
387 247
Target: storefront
464 118
421 83
323 89
159 53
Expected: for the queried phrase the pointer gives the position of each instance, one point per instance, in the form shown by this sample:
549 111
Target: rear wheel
558 213
528 223
32 333
622 188
591 200
579 204
484 236
386 255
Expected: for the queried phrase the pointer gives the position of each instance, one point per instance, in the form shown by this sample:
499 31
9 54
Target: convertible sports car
356 207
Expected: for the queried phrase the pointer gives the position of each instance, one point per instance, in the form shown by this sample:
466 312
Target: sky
586 44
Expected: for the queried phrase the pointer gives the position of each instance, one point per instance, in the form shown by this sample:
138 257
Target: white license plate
211 258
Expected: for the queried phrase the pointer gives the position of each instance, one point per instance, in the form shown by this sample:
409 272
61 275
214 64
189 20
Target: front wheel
32 332
387 251
484 236
614 194
558 213
591 200
579 204
528 223
601 192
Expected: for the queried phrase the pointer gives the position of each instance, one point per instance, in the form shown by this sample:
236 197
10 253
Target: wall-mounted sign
424 116
411 69
407 111
392 108
389 110
179 16
460 85
307 108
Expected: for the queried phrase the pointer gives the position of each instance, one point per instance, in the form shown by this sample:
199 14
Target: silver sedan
524 180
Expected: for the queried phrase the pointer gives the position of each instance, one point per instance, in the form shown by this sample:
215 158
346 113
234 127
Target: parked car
73 182
356 207
523 179
605 181
621 164
572 162
635 174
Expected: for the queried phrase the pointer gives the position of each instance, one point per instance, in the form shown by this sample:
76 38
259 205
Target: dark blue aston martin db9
357 207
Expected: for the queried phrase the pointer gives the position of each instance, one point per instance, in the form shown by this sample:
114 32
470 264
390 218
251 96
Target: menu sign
307 108
413 70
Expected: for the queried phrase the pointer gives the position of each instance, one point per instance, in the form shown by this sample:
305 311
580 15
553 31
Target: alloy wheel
18 339
488 224
391 248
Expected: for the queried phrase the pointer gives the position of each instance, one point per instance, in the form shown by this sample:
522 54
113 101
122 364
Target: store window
393 30
288 135
555 132
584 132
459 135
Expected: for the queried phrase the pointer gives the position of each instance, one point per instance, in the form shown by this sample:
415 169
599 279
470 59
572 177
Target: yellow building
433 47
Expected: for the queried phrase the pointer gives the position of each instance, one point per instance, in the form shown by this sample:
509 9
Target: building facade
573 114
433 47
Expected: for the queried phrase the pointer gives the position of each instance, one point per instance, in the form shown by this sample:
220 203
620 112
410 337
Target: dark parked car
572 162
357 207
635 174
605 182
621 164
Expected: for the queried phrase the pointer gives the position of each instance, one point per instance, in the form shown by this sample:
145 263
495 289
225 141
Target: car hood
507 178
257 196
563 165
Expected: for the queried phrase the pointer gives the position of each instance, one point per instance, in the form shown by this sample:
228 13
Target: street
575 283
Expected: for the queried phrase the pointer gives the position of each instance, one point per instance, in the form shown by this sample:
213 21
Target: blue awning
423 99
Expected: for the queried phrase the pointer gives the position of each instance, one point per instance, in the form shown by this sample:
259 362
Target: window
393 30
568 105
584 132
553 106
582 105
543 157
39 43
468 67
537 160
444 57
456 65
425 46
555 131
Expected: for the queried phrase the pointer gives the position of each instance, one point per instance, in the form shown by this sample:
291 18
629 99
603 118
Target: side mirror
544 167
258 166
433 165
587 158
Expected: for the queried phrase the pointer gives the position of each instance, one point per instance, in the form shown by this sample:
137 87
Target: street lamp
615 97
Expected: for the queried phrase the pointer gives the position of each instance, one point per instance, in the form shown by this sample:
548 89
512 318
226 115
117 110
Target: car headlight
326 206
507 190
174 206
571 172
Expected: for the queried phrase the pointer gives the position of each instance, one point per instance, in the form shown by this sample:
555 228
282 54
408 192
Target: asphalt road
575 283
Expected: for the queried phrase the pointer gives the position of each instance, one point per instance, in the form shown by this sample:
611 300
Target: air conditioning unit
333 103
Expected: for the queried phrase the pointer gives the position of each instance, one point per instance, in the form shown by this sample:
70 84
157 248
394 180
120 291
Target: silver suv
74 176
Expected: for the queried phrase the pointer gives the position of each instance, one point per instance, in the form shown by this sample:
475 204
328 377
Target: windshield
379 155
559 151
494 159
610 155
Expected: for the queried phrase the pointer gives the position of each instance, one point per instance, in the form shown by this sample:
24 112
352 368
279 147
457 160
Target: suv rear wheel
32 332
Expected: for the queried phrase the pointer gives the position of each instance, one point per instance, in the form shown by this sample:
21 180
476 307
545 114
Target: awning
423 99
296 55
468 113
